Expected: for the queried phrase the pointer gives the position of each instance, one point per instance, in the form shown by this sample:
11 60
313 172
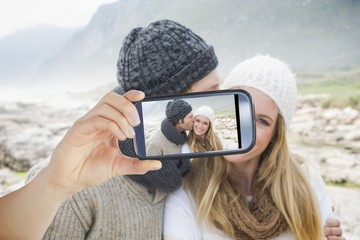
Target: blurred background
314 36
57 58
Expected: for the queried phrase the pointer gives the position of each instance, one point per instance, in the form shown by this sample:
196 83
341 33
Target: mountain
311 35
22 52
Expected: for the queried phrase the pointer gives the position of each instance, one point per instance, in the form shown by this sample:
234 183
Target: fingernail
139 92
131 131
121 135
157 166
134 118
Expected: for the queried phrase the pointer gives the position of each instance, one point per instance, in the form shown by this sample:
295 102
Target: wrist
53 186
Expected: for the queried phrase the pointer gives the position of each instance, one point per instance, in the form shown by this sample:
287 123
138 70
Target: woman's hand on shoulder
333 230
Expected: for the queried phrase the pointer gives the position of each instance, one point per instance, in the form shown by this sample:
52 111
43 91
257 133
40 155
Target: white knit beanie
271 76
205 111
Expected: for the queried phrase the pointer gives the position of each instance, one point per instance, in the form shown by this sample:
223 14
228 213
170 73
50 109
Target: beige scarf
259 219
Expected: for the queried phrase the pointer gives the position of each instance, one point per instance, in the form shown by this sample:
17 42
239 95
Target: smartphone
234 123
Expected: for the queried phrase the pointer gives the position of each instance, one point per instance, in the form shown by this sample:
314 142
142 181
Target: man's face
208 83
187 122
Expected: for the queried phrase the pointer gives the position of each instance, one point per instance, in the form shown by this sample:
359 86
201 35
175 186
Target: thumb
130 165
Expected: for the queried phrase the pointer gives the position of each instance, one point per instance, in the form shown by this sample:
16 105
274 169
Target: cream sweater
118 209
180 214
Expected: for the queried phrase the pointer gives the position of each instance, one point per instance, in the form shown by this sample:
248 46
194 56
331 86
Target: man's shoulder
156 133
125 190
156 137
107 188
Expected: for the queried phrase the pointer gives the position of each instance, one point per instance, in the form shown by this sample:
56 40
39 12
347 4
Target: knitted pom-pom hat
271 76
205 111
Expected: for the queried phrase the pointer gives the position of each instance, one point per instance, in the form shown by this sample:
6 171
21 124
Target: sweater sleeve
34 170
179 217
67 224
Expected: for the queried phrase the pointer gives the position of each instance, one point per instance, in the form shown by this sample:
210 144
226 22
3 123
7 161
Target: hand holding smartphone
232 114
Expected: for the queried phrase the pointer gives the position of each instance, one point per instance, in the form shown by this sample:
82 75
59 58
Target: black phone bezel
247 126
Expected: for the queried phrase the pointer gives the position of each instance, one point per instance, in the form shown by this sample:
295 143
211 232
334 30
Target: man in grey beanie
163 58
172 133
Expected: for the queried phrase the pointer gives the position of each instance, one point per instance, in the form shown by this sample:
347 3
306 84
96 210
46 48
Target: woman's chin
198 133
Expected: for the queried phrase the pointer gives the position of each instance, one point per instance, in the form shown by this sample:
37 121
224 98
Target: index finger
122 104
332 222
127 108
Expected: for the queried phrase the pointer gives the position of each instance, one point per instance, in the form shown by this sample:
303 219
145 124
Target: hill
311 36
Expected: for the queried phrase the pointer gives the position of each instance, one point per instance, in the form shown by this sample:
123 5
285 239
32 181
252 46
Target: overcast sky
19 14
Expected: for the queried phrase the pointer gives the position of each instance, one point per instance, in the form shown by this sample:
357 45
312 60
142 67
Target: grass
342 88
351 185
22 175
226 113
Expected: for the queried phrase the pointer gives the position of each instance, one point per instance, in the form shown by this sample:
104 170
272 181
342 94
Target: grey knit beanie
177 110
163 58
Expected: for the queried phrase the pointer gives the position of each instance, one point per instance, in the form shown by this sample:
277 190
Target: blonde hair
212 141
280 172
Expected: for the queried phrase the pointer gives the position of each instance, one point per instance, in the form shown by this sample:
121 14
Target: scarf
259 219
166 179
172 134
169 177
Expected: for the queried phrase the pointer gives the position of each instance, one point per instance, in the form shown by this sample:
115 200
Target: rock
348 116
335 127
9 181
330 114
353 135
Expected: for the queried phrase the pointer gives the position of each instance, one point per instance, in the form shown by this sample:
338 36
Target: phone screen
229 114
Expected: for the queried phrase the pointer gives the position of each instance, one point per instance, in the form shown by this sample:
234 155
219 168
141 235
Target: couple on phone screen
183 130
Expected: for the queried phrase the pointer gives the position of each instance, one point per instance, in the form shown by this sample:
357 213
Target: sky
19 14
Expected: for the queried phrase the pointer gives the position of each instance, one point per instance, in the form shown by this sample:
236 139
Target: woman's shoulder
179 195
311 173
320 189
181 199
185 148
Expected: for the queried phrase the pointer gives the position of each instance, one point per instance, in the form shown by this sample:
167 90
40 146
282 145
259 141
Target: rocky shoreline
328 138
